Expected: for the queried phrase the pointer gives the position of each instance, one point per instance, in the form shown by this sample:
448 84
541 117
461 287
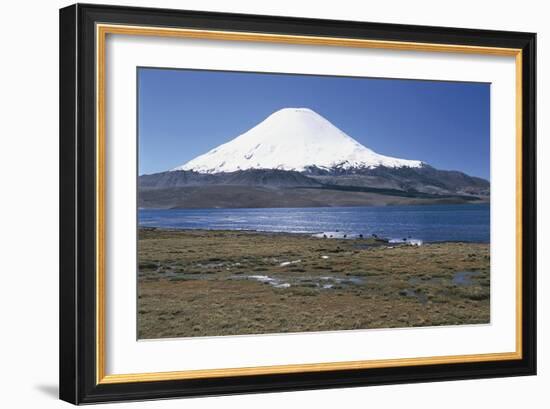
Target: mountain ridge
297 158
278 188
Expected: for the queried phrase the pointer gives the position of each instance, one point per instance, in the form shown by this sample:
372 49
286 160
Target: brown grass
195 283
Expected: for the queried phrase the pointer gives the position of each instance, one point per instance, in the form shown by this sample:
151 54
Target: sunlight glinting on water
431 223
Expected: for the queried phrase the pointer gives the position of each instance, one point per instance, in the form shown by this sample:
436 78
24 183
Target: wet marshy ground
208 283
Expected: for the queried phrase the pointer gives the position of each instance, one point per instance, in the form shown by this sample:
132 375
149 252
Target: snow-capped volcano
293 139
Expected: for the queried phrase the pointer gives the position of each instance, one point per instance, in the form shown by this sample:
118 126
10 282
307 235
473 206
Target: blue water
430 223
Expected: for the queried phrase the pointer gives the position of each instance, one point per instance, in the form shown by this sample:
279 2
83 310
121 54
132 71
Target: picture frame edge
78 360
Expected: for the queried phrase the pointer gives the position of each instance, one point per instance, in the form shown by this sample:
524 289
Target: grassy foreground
210 283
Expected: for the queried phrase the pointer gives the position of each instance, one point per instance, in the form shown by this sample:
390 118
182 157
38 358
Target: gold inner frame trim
101 32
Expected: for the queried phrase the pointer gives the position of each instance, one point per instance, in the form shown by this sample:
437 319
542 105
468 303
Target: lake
428 223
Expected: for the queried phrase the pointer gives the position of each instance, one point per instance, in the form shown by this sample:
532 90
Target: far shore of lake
227 282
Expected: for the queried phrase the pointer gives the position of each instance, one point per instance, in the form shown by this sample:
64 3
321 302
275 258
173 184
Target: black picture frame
78 360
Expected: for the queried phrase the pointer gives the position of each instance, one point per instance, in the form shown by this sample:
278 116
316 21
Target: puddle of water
464 278
288 263
347 280
409 241
354 280
274 282
260 278
326 282
211 265
421 297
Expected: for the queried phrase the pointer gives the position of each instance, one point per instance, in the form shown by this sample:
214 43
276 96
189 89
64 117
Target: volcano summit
293 139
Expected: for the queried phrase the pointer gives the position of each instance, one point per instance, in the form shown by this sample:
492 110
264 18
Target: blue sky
184 113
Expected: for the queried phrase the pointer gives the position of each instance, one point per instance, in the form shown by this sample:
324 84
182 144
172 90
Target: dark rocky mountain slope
311 188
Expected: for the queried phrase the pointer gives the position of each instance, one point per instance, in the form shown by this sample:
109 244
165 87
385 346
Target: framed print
258 203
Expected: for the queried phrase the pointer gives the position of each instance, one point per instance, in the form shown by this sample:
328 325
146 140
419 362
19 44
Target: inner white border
126 355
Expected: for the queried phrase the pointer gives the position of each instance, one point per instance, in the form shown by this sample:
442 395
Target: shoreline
392 205
305 234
